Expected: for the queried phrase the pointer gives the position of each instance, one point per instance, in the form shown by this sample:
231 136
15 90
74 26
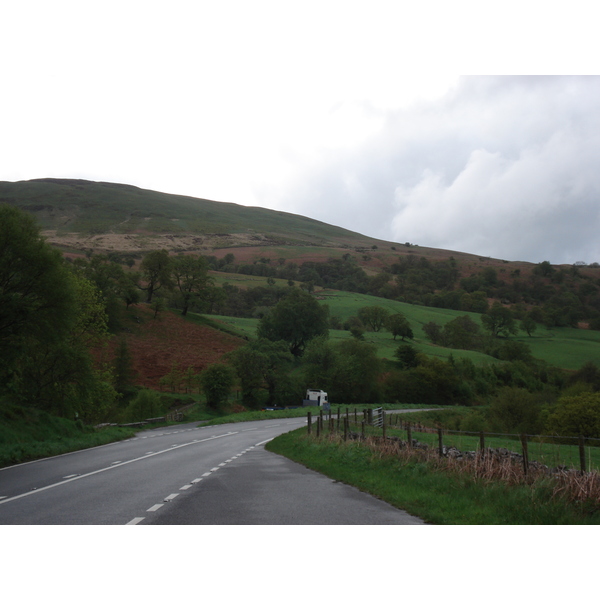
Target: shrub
146 405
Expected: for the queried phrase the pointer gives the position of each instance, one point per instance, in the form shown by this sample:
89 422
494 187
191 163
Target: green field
562 347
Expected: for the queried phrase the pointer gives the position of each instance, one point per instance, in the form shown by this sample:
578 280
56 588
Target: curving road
185 475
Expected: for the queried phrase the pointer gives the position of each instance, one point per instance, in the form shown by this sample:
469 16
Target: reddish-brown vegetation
157 345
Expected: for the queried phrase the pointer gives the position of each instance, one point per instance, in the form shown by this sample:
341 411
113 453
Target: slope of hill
108 217
157 345
76 212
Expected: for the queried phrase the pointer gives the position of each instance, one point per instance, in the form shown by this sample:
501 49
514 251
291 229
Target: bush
146 405
576 415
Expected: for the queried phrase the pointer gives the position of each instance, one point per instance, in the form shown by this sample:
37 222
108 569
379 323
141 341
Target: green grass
438 497
28 434
562 347
99 207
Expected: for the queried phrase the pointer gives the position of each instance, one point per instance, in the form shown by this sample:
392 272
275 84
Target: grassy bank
27 434
435 495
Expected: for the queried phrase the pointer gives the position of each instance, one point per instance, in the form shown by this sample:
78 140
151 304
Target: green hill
86 207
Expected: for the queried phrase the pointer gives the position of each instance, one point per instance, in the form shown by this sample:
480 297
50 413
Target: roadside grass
28 434
437 496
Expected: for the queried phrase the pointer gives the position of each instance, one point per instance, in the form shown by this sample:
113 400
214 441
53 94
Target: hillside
79 215
157 345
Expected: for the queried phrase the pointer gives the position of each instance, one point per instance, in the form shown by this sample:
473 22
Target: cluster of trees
560 297
51 316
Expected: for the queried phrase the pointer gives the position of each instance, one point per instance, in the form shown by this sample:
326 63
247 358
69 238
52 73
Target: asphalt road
185 475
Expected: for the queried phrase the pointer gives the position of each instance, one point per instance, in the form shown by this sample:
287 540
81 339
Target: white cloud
345 112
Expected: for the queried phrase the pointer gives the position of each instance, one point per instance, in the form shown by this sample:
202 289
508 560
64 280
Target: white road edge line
155 507
53 485
135 521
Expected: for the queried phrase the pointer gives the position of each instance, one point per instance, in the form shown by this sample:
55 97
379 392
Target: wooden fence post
440 442
363 430
582 454
525 453
346 429
309 418
319 420
355 416
481 443
409 434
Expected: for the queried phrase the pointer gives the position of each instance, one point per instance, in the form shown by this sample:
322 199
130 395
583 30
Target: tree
576 415
528 325
347 370
397 324
296 319
192 279
499 321
461 332
407 356
216 381
261 364
156 269
37 296
374 317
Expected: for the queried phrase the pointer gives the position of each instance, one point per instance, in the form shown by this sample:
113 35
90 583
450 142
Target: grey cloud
500 166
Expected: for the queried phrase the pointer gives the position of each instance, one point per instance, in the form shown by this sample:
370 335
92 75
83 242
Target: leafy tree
398 325
434 332
461 332
373 316
37 296
296 319
348 370
499 321
156 268
576 415
216 381
528 325
261 364
516 410
192 279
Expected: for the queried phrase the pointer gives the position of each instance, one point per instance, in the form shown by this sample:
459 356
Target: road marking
69 476
35 491
215 469
186 487
197 480
250 429
264 441
135 521
116 462
205 474
155 507
2 497
170 497
222 464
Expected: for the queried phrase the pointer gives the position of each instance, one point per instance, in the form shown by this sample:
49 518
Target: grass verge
437 496
27 434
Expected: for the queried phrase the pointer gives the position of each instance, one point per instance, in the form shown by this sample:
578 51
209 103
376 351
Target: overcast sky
409 122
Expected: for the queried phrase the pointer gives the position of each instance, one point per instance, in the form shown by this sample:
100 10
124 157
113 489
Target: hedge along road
219 474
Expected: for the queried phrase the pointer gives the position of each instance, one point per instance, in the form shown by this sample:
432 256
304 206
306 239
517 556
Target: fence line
532 450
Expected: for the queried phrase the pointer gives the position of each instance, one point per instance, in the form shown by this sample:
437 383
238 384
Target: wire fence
553 453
